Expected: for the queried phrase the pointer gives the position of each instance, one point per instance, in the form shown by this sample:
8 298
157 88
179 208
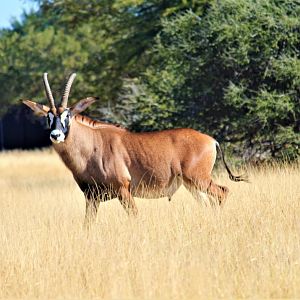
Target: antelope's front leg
91 208
127 200
93 199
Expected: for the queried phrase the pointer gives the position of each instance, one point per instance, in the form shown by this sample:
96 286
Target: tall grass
172 250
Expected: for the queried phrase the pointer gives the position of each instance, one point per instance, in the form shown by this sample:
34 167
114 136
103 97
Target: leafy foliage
103 42
233 73
228 68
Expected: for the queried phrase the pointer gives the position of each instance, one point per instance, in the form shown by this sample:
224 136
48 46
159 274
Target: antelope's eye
50 118
64 118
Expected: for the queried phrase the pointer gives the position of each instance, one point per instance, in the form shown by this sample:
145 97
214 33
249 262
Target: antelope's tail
231 176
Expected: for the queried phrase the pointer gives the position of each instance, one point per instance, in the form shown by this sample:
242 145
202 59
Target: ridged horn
65 96
48 91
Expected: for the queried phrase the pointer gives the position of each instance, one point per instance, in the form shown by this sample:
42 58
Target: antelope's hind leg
197 191
218 192
215 194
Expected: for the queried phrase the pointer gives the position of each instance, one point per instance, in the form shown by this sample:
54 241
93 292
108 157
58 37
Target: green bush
232 73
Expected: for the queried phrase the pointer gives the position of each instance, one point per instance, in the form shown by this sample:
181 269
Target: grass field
172 250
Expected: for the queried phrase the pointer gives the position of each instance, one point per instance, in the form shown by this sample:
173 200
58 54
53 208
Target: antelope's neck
78 147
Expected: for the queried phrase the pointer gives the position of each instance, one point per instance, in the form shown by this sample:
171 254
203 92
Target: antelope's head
59 117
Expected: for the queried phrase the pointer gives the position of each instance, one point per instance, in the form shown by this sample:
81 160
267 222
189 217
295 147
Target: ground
172 250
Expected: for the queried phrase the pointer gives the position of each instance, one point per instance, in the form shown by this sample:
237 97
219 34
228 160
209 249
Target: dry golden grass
172 250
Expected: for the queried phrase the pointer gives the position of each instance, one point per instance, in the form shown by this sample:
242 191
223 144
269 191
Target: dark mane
95 124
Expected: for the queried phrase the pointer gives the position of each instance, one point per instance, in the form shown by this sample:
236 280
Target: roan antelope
109 161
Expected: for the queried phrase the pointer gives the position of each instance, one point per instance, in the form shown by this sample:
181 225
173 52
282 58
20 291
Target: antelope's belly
155 188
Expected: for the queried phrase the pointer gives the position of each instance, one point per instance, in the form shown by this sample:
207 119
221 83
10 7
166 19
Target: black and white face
59 125
60 121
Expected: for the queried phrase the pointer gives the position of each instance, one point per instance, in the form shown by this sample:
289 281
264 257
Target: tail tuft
238 178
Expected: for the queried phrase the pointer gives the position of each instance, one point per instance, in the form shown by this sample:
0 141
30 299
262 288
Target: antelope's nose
55 135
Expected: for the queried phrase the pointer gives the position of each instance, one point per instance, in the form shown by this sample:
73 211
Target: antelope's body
150 163
109 161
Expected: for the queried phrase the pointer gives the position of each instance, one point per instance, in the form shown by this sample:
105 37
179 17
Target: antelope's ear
39 109
82 104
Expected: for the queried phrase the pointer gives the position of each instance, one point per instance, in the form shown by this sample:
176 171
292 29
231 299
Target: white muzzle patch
57 136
